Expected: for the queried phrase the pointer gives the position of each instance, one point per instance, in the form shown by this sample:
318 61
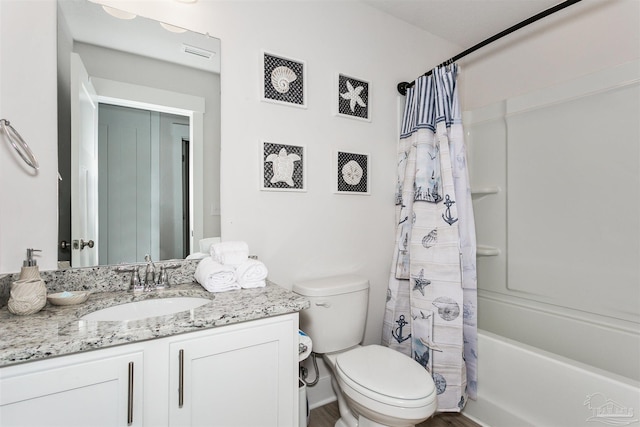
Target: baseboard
321 393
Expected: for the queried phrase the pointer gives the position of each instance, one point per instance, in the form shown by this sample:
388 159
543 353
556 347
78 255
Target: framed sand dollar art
351 173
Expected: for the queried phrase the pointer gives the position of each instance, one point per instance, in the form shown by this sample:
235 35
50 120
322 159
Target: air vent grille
202 53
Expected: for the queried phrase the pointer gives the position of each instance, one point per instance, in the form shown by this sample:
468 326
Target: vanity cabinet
244 374
239 377
93 389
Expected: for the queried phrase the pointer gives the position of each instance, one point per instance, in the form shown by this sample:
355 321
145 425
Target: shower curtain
431 304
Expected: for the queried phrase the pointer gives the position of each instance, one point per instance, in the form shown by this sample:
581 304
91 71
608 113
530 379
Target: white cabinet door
242 375
71 391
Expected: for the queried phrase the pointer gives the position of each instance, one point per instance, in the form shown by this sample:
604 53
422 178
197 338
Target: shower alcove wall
556 194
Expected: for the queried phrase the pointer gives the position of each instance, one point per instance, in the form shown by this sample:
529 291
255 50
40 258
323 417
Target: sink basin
147 308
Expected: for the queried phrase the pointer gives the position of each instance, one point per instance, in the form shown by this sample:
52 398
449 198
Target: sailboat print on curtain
430 314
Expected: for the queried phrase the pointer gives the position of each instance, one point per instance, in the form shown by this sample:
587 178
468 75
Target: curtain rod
403 86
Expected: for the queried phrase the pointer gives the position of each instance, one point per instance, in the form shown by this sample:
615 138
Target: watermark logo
608 411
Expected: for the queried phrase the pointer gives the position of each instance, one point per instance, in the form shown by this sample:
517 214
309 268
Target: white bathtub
520 386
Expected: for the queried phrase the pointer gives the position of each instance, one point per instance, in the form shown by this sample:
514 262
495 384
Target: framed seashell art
352 97
351 173
283 80
283 167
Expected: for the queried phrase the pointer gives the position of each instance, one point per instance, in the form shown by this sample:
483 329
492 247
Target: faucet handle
162 278
136 283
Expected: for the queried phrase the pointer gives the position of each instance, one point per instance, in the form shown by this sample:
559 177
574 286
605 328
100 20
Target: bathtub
520 386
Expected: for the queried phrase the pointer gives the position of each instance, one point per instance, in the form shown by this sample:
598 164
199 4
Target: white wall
308 234
298 235
575 299
316 233
28 201
576 41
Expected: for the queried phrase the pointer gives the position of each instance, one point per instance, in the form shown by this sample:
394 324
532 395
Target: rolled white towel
197 255
205 244
230 253
251 274
216 277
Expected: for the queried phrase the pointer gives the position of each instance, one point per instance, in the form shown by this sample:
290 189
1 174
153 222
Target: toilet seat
398 381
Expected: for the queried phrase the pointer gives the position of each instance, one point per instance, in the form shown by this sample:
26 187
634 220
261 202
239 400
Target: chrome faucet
151 280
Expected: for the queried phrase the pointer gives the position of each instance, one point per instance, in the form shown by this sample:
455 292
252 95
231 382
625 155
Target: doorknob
83 244
80 245
65 245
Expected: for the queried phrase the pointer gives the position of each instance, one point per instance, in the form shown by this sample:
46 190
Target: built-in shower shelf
484 250
479 192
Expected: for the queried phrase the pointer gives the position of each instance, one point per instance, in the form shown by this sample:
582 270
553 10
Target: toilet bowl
375 385
381 387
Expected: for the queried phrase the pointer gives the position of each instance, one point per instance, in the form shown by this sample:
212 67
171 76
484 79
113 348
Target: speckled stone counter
58 330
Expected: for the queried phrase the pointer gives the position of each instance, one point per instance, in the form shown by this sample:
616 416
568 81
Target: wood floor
327 415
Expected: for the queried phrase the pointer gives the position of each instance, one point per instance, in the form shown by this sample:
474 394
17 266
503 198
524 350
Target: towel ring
19 144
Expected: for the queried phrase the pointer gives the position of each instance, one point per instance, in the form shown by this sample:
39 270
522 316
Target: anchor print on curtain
431 305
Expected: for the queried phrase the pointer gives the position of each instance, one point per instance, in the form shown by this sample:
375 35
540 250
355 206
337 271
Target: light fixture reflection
120 14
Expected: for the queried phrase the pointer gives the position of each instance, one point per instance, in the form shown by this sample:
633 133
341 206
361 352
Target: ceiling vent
202 53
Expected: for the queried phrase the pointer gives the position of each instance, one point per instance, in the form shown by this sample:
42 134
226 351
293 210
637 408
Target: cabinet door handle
130 399
181 378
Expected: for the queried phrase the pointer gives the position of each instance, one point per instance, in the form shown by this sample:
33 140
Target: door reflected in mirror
138 137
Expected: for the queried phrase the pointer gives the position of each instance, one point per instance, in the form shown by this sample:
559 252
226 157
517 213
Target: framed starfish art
283 167
351 173
352 97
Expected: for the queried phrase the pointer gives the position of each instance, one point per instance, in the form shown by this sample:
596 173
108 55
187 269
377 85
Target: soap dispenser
30 266
28 294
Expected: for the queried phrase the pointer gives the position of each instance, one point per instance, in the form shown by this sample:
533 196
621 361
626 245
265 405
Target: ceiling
463 22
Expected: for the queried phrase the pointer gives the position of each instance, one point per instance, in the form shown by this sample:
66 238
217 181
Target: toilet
375 385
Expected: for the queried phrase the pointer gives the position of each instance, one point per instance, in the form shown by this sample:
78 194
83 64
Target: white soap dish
68 297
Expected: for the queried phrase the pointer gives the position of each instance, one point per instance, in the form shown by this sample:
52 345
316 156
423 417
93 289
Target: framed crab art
283 167
352 98
351 173
283 80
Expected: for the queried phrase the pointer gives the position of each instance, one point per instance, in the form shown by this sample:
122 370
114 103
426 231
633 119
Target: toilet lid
386 372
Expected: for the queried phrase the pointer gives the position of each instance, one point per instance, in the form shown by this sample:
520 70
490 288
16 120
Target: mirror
148 184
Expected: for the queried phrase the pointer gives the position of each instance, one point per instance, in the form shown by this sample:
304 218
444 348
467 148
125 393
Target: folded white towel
230 253
251 274
216 277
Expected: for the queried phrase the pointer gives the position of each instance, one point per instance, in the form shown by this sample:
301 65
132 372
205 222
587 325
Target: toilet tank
337 314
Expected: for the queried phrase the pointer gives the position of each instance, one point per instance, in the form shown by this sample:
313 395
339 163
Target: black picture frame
283 167
351 173
352 97
283 80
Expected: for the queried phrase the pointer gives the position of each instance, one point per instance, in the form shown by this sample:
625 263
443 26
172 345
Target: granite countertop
58 330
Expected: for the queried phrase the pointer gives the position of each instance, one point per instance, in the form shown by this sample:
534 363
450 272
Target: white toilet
375 385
